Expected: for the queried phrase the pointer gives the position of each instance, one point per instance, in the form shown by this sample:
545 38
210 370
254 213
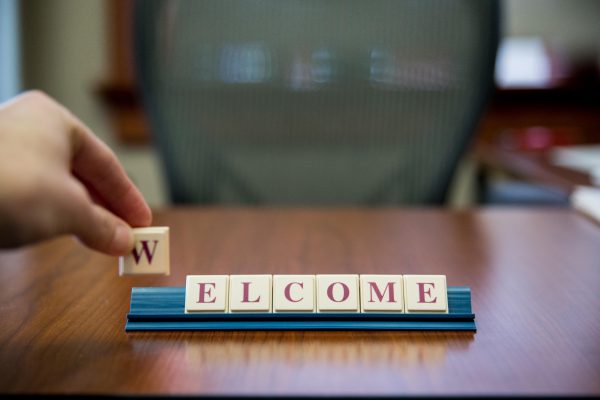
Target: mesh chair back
313 102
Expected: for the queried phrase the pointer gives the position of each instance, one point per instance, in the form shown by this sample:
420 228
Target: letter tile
206 293
425 294
150 254
250 293
337 293
381 293
294 293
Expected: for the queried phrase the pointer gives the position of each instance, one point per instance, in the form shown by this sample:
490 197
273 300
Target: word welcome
316 293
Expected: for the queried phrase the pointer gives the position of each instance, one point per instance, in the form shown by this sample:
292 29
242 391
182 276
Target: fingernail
122 240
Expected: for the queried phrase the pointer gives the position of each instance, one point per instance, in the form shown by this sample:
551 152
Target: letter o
346 292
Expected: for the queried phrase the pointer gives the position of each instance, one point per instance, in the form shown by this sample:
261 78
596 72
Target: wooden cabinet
119 91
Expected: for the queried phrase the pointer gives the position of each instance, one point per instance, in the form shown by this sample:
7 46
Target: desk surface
535 277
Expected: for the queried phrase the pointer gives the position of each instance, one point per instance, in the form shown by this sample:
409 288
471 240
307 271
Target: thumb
104 232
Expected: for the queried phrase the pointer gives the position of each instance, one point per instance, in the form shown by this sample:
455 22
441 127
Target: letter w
145 250
374 288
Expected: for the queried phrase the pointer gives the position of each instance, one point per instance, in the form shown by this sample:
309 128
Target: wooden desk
535 277
535 167
511 137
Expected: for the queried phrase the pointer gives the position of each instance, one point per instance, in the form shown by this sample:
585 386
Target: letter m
137 255
373 288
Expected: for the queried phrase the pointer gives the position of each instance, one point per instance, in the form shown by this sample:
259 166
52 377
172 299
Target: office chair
289 102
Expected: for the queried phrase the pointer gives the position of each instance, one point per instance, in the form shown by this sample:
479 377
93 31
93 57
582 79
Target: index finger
94 163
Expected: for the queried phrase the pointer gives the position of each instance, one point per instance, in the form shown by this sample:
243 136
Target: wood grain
535 277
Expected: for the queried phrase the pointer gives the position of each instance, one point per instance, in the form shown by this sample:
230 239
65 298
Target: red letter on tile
205 291
422 292
245 298
145 250
287 293
390 286
330 292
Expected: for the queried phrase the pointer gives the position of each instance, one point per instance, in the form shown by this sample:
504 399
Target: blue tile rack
162 309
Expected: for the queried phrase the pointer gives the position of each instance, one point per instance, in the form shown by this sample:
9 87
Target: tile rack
162 309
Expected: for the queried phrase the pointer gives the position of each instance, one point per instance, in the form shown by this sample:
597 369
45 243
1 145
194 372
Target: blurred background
546 97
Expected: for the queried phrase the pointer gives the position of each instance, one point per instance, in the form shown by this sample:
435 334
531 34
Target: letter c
287 294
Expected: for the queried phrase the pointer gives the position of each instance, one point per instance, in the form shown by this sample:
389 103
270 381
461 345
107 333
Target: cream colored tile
425 294
337 293
250 293
381 293
294 293
150 254
206 293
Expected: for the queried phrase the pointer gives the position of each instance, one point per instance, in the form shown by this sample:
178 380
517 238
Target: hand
57 178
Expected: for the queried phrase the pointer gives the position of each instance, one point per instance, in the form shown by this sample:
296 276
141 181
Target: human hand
57 177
